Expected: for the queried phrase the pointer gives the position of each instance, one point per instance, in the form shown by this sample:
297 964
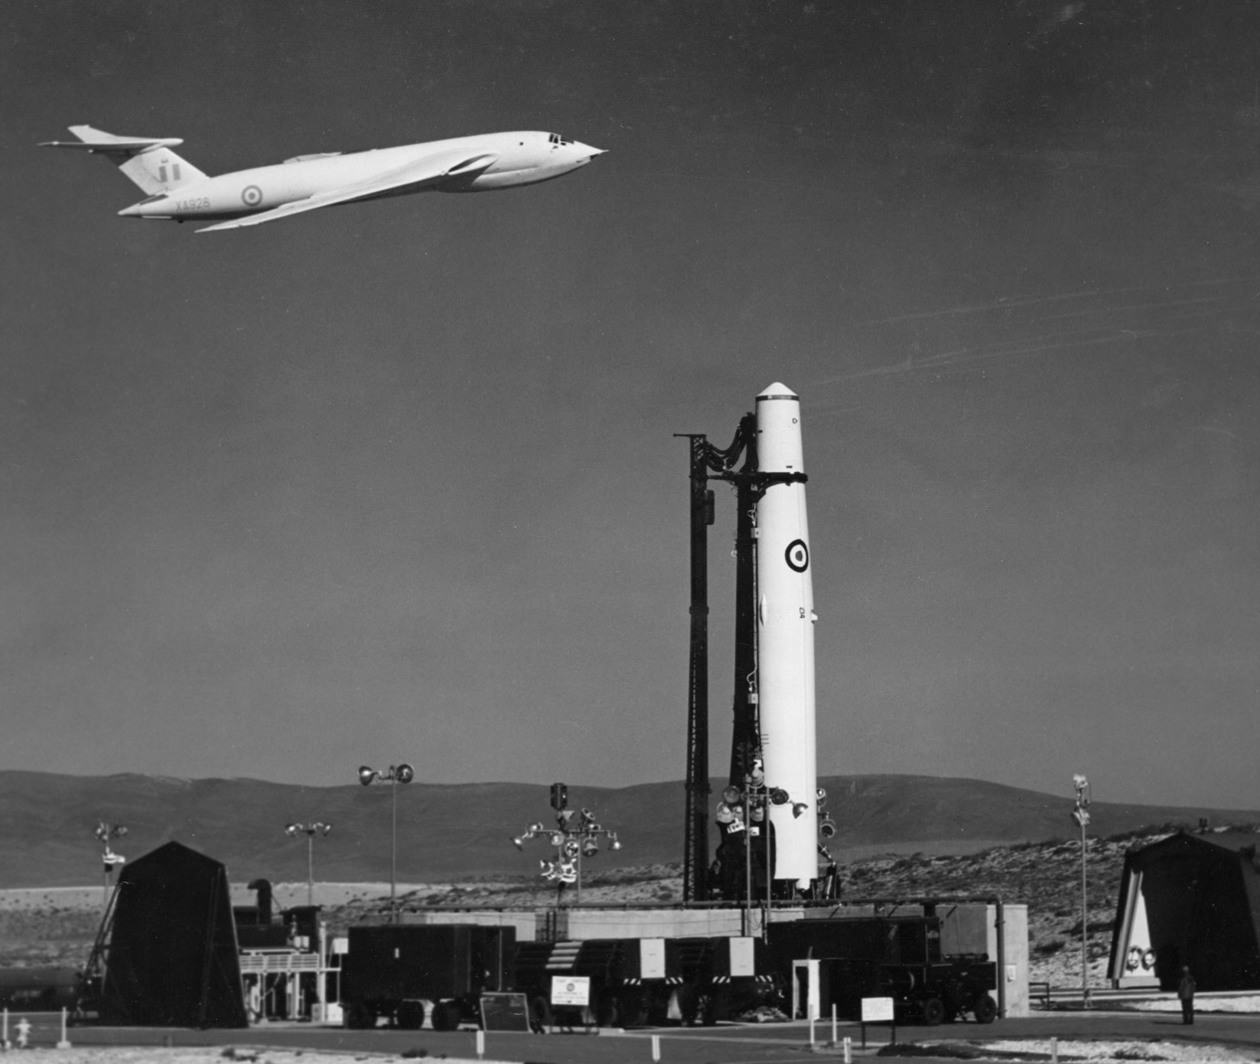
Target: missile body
785 636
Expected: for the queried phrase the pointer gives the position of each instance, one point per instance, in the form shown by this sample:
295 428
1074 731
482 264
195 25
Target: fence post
65 1042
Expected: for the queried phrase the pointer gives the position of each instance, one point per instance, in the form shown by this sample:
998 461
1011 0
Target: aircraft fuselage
510 159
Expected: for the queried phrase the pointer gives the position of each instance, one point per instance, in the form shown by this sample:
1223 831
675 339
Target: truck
897 957
638 981
406 974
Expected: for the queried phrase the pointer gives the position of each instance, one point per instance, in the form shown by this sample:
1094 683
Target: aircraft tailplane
147 161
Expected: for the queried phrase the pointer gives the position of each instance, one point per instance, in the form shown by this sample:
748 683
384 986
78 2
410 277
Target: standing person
1185 991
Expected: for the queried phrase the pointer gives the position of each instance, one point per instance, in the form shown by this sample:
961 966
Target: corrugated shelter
172 958
1189 899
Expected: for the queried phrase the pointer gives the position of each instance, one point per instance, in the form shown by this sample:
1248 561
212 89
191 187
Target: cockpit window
557 140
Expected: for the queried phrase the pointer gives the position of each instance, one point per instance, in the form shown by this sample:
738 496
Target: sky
399 482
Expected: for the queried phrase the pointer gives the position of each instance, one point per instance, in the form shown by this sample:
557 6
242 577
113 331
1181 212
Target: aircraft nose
588 151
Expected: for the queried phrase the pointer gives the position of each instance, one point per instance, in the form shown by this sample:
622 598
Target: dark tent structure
1189 900
172 958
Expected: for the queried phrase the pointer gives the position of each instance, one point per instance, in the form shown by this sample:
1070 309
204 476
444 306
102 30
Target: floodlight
798 808
779 796
404 773
366 775
827 829
732 795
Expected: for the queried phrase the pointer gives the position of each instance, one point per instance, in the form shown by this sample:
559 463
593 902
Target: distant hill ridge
448 832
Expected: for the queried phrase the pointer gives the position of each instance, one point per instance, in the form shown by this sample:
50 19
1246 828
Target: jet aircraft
176 190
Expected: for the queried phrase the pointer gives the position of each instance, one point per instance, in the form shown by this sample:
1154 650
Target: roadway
723 1044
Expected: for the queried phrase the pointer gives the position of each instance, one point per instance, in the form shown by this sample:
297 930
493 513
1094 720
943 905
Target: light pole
310 831
105 832
1080 814
752 805
574 837
394 775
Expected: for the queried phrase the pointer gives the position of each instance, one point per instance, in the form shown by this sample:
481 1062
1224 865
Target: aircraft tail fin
147 161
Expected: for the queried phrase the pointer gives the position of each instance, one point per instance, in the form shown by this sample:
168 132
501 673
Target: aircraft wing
94 140
411 178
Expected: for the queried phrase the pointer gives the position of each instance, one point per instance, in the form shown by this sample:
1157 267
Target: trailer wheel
984 1009
446 1016
410 1015
933 1011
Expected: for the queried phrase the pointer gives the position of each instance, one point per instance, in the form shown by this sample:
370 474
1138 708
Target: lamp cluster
317 828
751 801
105 832
1081 811
403 773
576 835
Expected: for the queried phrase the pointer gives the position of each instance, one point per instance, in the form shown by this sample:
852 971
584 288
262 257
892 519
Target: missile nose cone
778 391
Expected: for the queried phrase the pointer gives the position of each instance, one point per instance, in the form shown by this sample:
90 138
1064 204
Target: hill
453 832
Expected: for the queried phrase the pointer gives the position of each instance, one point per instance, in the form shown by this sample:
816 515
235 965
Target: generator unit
405 973
898 957
637 981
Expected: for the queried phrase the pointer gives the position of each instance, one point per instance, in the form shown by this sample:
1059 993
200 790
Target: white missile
785 636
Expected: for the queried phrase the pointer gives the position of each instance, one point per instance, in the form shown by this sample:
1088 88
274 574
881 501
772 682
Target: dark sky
398 481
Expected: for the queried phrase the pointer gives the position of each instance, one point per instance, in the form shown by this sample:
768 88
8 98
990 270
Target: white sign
877 1010
571 990
651 958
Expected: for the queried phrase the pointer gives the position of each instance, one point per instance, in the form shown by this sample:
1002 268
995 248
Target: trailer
409 974
41 989
406 974
637 981
898 957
